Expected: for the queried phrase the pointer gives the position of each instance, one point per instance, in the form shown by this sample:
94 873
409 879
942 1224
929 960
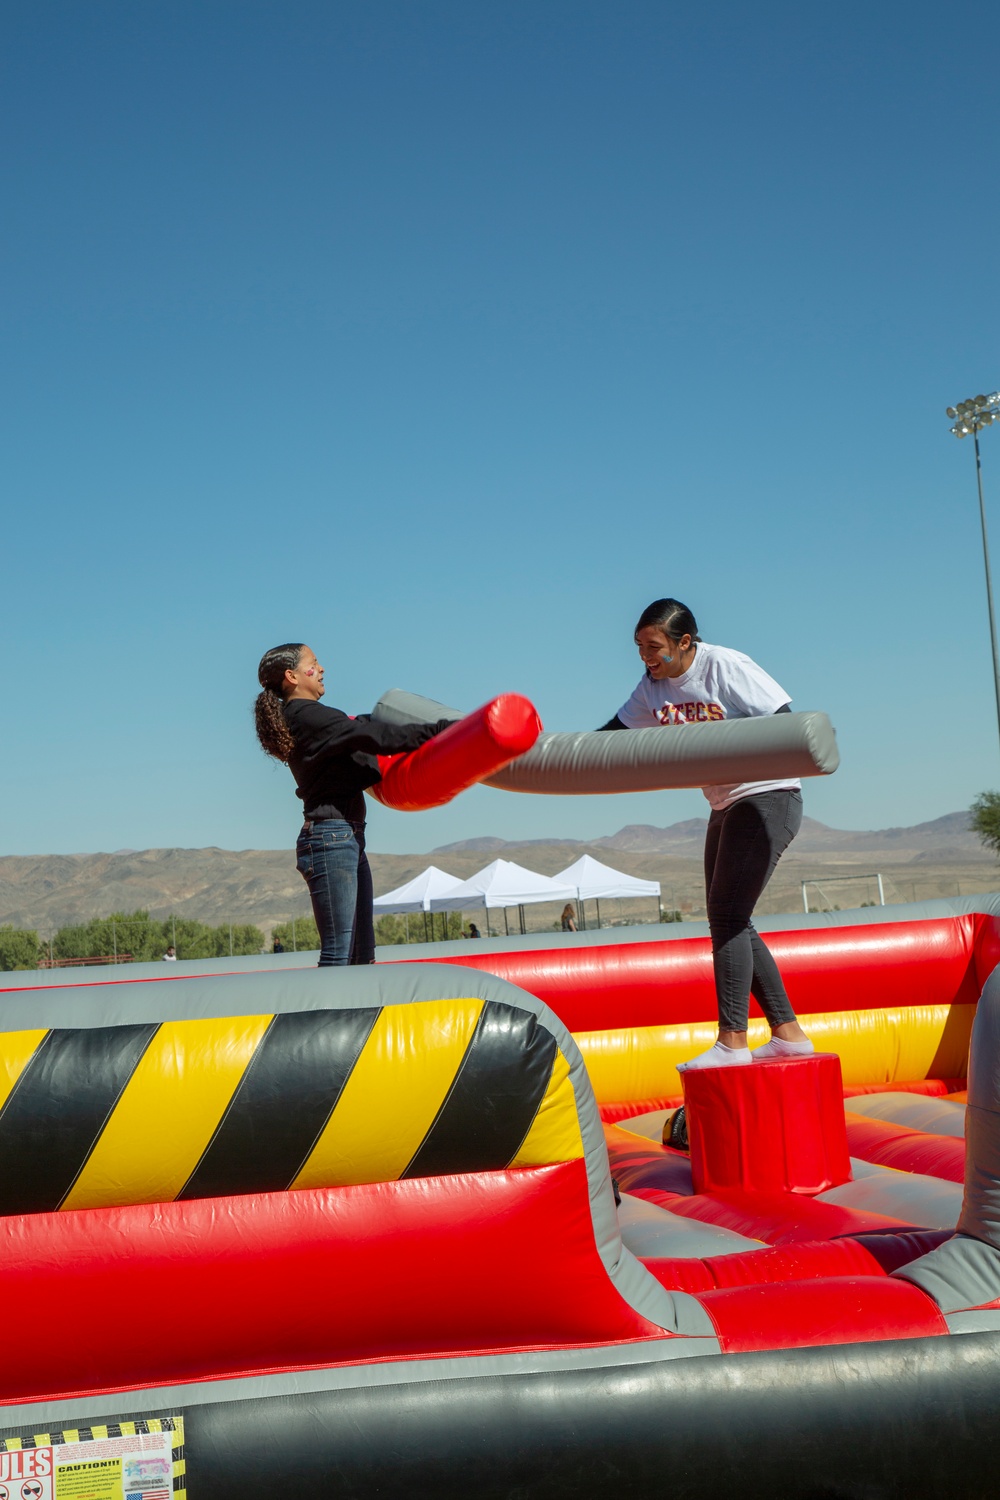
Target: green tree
306 935
241 938
121 934
389 931
191 939
71 942
984 819
137 936
393 929
18 948
130 933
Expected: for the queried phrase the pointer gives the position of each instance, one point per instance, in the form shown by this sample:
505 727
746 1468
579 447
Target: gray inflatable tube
647 760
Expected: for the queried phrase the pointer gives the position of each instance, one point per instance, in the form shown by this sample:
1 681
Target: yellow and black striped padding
875 1046
148 1113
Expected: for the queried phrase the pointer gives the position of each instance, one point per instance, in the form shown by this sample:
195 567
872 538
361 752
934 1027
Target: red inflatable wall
102 1299
934 962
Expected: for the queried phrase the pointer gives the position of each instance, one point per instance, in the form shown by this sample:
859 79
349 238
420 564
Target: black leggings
743 844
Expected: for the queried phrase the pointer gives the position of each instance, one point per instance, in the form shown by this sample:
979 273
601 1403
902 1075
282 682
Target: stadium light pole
968 418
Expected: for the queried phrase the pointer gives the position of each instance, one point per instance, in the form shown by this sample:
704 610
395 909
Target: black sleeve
333 733
614 723
784 709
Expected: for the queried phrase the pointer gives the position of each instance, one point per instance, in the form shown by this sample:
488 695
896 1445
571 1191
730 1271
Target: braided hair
269 707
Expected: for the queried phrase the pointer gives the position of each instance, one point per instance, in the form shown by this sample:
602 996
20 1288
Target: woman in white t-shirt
751 825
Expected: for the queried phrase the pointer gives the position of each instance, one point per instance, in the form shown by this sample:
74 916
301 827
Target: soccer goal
851 891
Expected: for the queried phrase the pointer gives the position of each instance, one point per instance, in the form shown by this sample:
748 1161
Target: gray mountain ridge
940 857
950 832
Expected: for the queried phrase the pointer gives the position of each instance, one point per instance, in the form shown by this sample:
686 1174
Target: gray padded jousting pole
594 763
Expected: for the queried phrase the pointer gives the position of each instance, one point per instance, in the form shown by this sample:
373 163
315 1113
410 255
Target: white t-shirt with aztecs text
719 684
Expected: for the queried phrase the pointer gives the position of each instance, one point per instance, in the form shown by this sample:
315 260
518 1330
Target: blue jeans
330 856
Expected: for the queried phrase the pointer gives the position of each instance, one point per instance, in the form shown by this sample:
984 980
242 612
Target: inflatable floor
355 1232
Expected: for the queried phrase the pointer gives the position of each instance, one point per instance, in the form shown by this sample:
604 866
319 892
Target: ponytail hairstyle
670 616
269 707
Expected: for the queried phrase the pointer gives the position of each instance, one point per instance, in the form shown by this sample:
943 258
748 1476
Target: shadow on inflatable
355 1232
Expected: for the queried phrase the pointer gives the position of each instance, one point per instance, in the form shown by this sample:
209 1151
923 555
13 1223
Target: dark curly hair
269 707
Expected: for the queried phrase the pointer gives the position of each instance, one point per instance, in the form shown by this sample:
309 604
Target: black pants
743 844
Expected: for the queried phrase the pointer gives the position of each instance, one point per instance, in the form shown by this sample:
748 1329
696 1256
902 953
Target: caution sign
140 1460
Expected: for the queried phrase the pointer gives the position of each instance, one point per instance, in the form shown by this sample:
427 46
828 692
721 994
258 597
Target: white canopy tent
415 895
595 881
500 886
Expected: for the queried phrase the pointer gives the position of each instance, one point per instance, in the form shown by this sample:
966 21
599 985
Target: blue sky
446 336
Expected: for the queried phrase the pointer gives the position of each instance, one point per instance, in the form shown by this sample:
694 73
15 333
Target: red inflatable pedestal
768 1127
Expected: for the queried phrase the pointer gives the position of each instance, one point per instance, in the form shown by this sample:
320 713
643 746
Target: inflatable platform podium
768 1127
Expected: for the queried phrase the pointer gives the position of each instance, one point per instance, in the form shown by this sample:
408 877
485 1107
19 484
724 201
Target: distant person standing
568 918
277 946
687 681
332 758
170 957
474 931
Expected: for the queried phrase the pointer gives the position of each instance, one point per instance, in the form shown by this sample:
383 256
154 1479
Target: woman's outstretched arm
334 733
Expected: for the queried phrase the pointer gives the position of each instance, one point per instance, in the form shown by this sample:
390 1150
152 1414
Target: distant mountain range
950 834
263 885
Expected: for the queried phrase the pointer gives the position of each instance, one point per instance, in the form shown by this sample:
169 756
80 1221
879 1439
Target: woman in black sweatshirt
332 758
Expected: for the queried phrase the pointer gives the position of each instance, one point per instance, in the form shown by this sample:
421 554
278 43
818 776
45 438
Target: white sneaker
776 1048
718 1056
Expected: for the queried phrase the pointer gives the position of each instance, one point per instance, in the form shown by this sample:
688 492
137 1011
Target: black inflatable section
886 1421
285 1097
58 1108
493 1100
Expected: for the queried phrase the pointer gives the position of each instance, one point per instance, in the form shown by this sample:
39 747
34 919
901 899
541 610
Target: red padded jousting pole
466 752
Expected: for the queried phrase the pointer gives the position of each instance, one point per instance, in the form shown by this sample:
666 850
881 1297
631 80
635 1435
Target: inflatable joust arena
457 1227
